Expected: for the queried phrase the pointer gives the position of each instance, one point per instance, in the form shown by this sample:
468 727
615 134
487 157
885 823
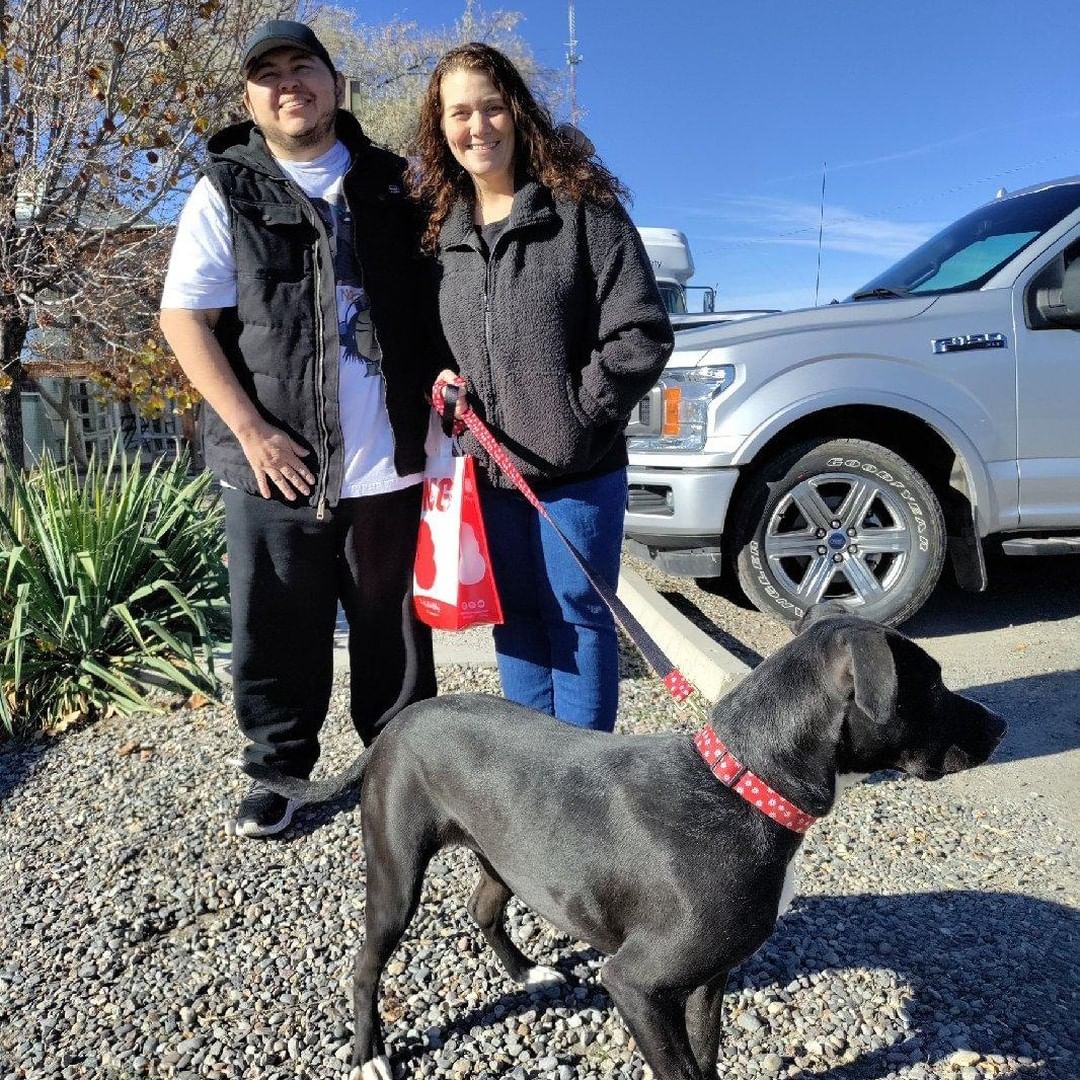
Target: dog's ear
872 669
819 612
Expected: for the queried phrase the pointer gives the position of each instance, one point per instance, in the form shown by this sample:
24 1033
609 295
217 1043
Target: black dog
633 844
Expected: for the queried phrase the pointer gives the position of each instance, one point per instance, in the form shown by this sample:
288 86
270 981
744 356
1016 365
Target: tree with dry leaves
388 67
103 112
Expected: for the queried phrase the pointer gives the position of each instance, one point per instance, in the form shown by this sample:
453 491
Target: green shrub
110 582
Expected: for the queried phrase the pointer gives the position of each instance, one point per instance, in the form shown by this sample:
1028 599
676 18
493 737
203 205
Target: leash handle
447 394
449 397
677 684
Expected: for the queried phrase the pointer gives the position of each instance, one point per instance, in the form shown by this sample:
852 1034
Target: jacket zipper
320 360
487 316
320 392
494 417
488 344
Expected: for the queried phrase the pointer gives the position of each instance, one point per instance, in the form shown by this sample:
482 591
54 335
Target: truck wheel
845 520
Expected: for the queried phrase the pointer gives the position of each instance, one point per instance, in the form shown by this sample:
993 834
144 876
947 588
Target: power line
804 230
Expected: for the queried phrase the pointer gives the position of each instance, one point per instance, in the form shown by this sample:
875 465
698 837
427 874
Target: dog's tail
314 791
310 791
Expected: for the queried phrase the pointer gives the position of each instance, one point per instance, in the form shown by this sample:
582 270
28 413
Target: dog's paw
375 1069
539 977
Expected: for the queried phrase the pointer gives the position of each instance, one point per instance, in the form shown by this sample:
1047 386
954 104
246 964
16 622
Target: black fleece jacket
560 331
281 339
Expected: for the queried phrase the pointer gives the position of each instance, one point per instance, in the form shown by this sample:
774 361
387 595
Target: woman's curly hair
559 158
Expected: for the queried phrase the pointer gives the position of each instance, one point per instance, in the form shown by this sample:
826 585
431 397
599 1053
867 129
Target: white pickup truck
840 452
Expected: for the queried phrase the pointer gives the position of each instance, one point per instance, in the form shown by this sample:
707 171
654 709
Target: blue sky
719 116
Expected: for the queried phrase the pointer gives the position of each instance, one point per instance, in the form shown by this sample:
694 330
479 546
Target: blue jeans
558 651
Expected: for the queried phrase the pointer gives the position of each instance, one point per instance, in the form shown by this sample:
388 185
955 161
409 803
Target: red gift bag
453 586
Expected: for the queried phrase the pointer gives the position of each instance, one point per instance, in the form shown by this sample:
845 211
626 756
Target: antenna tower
573 58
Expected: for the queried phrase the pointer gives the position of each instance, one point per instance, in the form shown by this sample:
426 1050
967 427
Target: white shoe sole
251 828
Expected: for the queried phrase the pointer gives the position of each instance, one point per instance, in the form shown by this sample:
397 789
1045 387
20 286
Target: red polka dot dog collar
734 774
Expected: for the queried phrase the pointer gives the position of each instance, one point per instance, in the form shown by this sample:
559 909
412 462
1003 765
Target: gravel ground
935 934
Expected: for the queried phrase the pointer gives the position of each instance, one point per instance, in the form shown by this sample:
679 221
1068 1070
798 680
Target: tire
843 519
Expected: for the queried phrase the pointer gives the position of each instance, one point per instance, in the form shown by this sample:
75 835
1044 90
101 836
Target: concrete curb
708 665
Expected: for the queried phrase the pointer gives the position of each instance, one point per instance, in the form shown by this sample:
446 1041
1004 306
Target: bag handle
677 684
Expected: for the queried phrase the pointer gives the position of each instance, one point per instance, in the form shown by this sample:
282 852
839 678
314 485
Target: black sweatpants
287 572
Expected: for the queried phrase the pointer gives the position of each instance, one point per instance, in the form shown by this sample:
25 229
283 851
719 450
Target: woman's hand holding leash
451 389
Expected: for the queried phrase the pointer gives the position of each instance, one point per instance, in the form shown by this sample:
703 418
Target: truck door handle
964 342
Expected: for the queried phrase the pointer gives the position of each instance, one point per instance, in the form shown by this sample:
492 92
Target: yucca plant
110 582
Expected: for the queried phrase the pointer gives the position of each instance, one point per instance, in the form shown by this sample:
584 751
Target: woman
553 318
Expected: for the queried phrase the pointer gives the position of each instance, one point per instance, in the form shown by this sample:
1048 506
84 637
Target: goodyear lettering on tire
886 478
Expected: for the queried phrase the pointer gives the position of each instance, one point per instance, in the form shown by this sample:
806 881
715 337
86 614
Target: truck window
674 298
971 263
970 251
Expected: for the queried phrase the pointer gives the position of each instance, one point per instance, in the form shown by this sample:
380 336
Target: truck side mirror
1060 305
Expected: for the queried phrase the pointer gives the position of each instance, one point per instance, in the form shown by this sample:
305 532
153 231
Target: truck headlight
675 413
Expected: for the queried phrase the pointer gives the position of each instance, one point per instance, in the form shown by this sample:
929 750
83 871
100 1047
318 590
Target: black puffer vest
282 337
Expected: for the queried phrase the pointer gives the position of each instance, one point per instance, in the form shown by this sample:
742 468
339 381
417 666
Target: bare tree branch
104 105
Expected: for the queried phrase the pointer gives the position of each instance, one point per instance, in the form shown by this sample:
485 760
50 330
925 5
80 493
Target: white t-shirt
202 274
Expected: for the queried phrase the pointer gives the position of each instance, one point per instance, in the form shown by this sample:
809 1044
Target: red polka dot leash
717 756
677 684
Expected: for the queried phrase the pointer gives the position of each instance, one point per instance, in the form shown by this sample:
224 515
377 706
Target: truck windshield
674 298
970 251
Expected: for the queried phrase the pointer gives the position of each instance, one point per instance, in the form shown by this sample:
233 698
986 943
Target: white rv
669 253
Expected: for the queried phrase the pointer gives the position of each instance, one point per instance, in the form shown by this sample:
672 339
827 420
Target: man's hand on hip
276 459
273 456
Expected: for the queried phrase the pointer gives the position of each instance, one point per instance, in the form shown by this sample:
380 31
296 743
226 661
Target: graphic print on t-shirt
358 340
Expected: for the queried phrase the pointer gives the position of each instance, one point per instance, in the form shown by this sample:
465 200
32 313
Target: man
297 304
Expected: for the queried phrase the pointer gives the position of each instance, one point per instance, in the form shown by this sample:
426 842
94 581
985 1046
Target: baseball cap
281 34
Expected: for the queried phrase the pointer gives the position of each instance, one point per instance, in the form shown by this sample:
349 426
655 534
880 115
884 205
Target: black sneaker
261 812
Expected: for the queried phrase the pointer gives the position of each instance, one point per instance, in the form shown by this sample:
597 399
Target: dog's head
897 712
